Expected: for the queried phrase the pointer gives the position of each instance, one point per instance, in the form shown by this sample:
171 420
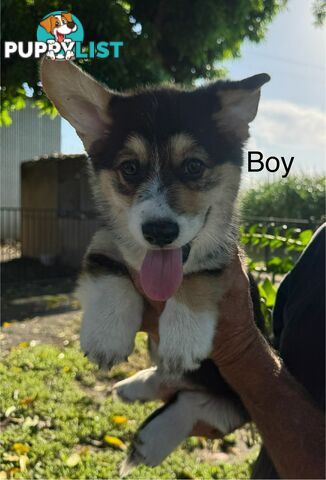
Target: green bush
299 197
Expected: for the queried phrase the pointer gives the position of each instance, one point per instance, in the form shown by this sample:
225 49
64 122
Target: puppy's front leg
112 311
187 324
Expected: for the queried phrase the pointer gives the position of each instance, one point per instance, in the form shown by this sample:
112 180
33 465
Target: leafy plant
300 197
275 250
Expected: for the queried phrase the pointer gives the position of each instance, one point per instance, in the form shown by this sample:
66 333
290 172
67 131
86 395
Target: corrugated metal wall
27 137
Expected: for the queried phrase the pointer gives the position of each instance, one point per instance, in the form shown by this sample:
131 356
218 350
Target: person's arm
291 426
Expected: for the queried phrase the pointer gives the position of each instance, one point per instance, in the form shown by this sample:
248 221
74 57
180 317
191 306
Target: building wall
27 137
58 215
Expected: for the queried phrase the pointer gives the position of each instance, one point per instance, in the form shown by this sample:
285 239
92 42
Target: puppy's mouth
162 271
60 37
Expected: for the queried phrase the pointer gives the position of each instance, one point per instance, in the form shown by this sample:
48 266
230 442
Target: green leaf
270 292
305 237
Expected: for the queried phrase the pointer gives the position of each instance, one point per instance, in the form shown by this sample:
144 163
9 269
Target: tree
175 40
319 11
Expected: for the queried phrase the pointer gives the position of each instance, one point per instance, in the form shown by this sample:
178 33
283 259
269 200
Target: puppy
165 168
59 26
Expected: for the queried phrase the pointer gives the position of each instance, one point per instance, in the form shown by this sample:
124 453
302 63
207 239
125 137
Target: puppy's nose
160 232
71 24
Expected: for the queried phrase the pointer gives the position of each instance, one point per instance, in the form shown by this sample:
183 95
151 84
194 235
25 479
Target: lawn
58 421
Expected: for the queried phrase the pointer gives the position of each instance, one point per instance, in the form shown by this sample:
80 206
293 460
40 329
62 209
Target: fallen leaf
114 442
11 472
6 324
27 400
83 451
23 461
119 419
23 345
20 448
10 410
73 460
31 422
10 457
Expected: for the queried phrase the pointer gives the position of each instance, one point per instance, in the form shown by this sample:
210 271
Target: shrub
281 247
299 197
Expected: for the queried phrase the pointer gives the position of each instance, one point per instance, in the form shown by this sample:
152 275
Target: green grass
54 427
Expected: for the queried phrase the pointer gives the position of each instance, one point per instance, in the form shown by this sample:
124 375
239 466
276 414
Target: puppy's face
59 25
167 161
164 162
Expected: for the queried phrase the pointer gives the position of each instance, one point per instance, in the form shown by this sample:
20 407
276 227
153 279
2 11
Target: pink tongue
161 273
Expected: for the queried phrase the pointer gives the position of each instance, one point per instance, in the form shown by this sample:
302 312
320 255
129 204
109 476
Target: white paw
112 316
186 338
160 436
51 55
101 346
143 386
70 55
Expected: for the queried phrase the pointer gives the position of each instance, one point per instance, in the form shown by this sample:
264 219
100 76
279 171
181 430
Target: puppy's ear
239 104
78 97
48 23
67 16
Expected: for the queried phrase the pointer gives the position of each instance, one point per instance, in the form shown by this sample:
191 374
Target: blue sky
291 120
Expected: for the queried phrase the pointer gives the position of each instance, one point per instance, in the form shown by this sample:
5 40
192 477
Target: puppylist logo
60 36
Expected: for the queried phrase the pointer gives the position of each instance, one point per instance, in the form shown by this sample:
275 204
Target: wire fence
40 244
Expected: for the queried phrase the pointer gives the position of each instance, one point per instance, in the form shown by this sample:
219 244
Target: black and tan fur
157 153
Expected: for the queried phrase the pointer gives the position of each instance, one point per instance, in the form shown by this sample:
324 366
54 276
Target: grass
53 426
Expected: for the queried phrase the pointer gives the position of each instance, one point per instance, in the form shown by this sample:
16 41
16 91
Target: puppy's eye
193 168
57 24
130 168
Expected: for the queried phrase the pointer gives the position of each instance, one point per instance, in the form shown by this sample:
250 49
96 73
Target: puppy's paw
186 338
160 435
172 364
150 447
104 354
51 55
112 316
143 387
70 55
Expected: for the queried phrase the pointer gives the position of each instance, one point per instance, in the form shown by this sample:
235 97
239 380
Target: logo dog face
166 161
59 25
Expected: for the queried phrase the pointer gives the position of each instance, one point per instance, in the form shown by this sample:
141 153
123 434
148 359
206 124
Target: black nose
160 232
71 24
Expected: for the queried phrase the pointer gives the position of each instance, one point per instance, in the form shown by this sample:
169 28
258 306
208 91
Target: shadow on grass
31 289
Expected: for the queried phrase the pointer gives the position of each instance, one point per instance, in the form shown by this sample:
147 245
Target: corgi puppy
165 167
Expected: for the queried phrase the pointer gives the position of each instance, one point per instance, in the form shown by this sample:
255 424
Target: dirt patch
61 330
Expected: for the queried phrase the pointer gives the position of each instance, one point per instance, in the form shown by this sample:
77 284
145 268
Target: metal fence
42 243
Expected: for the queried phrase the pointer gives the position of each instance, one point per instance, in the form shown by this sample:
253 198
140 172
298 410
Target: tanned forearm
291 426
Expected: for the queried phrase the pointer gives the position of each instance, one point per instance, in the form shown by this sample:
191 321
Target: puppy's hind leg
143 386
168 426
